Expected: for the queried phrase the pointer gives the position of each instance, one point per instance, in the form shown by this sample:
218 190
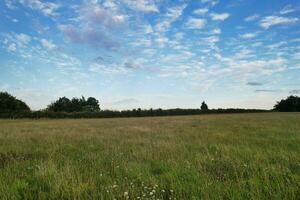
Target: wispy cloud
287 9
219 16
273 20
91 36
195 23
201 11
211 2
47 44
171 16
249 35
142 5
23 38
47 8
216 31
252 17
12 47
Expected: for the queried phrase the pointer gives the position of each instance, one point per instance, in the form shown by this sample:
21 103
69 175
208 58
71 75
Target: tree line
11 107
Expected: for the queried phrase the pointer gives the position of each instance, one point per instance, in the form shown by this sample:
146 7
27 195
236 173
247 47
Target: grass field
238 156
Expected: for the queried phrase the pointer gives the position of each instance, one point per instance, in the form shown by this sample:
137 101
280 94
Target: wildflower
125 194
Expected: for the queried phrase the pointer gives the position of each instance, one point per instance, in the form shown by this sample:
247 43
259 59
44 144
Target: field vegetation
230 156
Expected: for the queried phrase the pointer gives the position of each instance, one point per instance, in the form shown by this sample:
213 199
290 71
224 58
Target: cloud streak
273 20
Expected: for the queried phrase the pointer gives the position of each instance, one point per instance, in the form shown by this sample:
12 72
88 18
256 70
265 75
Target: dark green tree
91 105
63 104
9 103
204 106
290 104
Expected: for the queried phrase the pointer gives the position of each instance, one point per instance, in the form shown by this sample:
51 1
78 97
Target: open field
237 156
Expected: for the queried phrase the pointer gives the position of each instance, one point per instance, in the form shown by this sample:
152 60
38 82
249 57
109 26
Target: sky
151 53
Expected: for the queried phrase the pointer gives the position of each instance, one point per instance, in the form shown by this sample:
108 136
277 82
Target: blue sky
151 53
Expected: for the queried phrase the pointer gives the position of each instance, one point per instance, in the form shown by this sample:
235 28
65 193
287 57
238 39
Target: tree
63 104
9 103
91 105
204 106
290 104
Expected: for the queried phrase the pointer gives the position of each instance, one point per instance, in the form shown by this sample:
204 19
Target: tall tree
204 106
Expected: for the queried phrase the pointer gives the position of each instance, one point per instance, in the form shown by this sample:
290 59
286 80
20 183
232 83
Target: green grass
237 156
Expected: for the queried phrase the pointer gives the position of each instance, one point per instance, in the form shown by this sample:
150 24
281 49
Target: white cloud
287 9
47 44
119 18
148 29
201 11
12 47
216 31
172 15
219 16
263 67
179 35
109 70
195 23
211 2
142 5
142 42
211 40
97 15
23 38
175 12
162 26
252 18
95 26
10 4
269 21
296 56
47 8
249 35
109 4
161 41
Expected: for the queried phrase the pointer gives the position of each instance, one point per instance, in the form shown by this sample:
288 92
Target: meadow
225 156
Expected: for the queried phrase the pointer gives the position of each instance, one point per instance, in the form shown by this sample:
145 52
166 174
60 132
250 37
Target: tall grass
232 156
